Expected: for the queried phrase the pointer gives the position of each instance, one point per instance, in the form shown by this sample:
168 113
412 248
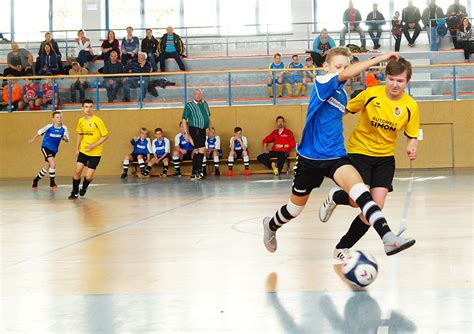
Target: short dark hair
129 27
143 129
294 56
89 101
158 129
280 117
309 58
396 67
148 29
277 54
56 112
237 129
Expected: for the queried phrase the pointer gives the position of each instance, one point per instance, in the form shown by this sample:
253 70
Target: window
276 14
67 15
237 14
202 13
5 22
31 20
160 14
123 14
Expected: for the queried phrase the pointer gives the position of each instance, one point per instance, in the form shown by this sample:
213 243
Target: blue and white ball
360 268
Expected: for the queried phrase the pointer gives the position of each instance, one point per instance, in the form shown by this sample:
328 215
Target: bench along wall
447 125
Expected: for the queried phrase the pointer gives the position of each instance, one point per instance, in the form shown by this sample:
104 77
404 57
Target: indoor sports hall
108 228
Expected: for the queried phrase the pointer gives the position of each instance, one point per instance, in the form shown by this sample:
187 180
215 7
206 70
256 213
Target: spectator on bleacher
171 46
454 16
49 64
375 20
352 20
19 62
31 95
465 38
397 30
49 92
410 19
283 142
321 45
112 84
294 77
48 38
109 45
16 95
374 76
309 74
79 84
150 47
129 48
276 77
3 39
139 65
430 18
84 48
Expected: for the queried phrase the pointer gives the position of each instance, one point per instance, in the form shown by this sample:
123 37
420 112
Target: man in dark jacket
112 84
454 15
139 65
171 46
375 20
430 18
352 20
410 19
150 46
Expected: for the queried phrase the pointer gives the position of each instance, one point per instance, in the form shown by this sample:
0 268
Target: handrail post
409 88
97 97
185 83
230 89
454 84
268 41
53 105
227 41
140 99
308 36
186 39
10 89
66 47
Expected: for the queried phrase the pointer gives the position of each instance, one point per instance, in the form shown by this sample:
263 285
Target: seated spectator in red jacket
283 141
109 45
20 62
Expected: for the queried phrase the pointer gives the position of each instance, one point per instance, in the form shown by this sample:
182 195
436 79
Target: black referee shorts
199 136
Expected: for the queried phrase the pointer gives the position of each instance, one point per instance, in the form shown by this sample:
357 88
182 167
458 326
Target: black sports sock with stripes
340 197
281 217
356 231
372 213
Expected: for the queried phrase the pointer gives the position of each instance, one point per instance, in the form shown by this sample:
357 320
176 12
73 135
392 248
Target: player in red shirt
30 96
283 142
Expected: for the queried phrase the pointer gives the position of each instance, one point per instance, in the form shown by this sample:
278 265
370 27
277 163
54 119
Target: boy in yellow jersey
91 135
385 110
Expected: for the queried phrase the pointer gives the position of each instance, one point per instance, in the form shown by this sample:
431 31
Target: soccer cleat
35 183
328 206
341 254
194 177
124 175
247 172
275 169
163 175
52 184
229 173
269 236
394 244
82 192
73 195
145 172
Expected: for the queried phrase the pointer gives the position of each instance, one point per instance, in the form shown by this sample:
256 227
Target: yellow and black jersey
380 121
91 130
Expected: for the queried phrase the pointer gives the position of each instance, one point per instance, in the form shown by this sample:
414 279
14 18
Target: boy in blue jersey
141 153
213 151
184 150
161 150
321 153
276 77
238 150
52 135
294 77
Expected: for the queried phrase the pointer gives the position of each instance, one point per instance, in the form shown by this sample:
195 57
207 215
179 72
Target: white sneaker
395 243
328 206
341 254
269 236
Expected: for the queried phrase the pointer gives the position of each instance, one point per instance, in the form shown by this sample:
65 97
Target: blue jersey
237 144
52 136
179 141
296 75
280 66
161 147
213 143
141 146
323 133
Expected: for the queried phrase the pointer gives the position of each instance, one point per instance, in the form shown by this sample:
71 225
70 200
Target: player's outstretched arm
33 139
356 69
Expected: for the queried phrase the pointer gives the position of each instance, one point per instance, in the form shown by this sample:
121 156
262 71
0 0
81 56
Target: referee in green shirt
196 119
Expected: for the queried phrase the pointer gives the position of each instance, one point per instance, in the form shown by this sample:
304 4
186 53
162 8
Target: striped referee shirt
197 114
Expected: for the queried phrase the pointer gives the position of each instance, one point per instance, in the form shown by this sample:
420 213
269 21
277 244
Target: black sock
165 169
340 197
148 168
356 231
75 185
200 159
85 183
373 214
280 218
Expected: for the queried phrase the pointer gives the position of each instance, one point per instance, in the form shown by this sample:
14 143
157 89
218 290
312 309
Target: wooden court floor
173 256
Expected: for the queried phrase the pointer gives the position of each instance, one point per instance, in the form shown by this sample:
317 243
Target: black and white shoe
73 195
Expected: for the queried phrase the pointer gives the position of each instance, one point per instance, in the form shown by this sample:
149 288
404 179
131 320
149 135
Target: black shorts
88 161
309 174
210 154
199 136
187 156
239 154
377 172
135 156
47 153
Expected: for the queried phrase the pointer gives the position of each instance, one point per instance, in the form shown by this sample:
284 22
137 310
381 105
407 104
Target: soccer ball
360 268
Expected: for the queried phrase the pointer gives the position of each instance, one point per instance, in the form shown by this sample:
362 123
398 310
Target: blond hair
338 51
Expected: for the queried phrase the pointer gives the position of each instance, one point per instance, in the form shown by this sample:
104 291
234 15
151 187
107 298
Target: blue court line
102 233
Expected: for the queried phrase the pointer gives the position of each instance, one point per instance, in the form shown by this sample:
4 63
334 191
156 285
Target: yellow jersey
91 130
380 121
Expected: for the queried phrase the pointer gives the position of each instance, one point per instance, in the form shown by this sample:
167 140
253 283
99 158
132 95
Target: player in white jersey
213 151
238 150
161 150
